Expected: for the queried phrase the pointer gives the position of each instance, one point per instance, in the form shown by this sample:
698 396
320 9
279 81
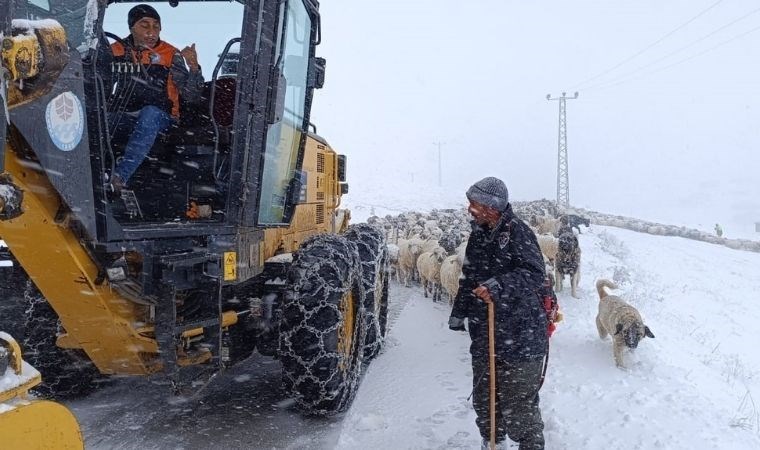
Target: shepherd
503 272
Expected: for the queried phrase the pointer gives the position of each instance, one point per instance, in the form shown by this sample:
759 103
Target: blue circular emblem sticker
64 118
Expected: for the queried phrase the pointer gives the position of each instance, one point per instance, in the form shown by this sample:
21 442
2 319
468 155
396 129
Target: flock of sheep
429 248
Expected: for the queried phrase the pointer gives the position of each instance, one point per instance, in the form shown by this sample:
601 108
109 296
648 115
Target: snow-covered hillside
737 215
694 386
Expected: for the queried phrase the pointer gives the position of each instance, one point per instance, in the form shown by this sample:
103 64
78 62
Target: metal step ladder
131 204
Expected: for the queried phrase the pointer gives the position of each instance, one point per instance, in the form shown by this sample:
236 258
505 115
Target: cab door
287 115
46 96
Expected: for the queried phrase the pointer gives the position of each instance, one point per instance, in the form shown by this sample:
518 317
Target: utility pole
439 162
563 178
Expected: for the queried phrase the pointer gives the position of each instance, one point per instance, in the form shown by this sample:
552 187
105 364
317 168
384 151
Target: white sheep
428 245
548 225
451 271
408 252
417 241
393 252
549 246
429 267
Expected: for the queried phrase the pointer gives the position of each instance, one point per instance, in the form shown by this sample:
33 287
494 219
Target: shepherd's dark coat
509 255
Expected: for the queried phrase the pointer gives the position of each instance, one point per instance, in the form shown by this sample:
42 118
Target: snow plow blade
27 423
39 425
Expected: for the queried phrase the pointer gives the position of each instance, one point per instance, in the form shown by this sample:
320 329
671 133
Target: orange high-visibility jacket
159 81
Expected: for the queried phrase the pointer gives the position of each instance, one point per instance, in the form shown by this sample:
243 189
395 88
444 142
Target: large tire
373 254
32 322
322 331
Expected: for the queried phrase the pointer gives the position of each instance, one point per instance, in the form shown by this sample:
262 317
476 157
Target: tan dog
620 320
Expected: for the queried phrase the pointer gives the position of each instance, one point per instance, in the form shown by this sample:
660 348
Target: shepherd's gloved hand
488 290
456 324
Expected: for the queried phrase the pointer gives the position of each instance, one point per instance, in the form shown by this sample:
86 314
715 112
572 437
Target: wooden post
492 371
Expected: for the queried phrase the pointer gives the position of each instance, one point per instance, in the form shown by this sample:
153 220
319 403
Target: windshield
284 136
186 24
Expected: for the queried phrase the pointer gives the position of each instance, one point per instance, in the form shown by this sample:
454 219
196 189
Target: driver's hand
191 57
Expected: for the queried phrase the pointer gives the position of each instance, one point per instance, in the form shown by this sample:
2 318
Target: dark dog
568 261
574 221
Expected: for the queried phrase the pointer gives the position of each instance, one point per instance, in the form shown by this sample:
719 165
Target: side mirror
341 167
293 195
316 77
343 188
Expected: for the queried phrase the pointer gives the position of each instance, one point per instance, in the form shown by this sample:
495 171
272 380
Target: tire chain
311 325
373 254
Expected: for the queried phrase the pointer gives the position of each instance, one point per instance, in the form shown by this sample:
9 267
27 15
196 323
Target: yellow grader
230 239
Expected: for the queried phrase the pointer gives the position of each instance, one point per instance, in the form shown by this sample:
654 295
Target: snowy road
414 395
244 409
693 386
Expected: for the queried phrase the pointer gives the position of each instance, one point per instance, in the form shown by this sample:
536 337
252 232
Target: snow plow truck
229 239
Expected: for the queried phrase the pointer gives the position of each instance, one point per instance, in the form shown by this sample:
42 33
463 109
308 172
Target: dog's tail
601 284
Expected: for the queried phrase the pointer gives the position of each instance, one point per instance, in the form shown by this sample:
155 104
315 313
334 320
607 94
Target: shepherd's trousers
517 410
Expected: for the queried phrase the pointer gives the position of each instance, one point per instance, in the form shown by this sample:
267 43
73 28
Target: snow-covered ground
693 386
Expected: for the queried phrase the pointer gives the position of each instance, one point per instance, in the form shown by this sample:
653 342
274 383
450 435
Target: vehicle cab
233 158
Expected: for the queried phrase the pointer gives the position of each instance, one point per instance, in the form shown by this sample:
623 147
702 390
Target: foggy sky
402 75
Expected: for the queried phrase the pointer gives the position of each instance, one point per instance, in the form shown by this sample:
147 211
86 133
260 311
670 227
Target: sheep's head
440 254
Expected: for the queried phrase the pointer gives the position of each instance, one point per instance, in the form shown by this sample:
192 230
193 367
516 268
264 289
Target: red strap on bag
551 306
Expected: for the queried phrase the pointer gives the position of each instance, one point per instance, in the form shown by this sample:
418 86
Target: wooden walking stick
492 371
483 293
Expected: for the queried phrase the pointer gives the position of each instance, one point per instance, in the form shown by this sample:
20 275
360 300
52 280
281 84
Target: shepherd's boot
485 444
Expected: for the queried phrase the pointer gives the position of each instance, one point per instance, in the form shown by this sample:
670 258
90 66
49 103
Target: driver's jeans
143 127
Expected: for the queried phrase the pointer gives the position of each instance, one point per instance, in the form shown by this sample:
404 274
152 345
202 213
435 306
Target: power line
667 35
728 41
675 52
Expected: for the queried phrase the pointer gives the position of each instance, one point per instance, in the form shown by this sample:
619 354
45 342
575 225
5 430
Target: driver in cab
148 102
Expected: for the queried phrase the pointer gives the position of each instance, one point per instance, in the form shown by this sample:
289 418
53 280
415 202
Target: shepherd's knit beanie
140 11
490 191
